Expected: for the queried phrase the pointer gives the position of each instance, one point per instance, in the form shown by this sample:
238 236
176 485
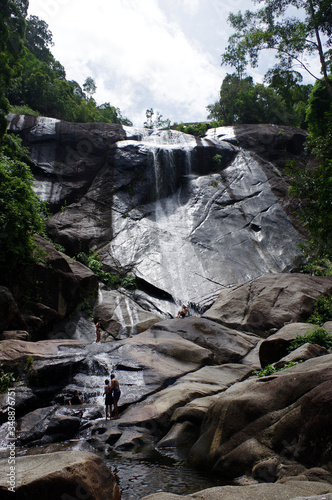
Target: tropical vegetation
291 31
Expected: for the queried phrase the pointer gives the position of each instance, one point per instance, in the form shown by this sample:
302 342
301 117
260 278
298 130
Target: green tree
20 215
155 120
89 87
291 38
41 84
313 184
241 101
287 85
38 39
319 111
12 28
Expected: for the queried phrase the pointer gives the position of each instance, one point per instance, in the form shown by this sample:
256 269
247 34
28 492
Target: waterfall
173 226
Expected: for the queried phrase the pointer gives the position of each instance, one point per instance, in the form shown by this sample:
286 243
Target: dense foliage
33 78
20 215
120 279
318 336
12 28
322 311
241 101
313 185
285 100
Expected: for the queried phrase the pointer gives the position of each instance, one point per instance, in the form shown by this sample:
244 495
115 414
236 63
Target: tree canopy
33 79
12 31
290 38
20 214
241 101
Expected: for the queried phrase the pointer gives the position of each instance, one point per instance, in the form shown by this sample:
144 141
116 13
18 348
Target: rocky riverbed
202 221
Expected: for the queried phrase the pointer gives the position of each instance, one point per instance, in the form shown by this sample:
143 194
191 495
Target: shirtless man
115 386
184 312
98 330
108 398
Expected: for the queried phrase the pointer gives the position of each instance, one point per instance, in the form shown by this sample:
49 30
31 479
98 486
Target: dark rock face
188 215
62 285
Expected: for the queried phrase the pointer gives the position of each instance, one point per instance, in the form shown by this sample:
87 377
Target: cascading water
171 259
210 219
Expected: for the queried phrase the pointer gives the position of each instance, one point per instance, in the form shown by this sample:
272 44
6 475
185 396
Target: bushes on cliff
20 215
122 279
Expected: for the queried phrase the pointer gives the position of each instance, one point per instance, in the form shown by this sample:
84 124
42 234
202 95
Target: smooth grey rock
226 344
48 425
306 351
120 316
269 302
20 349
70 474
284 415
275 346
15 334
263 491
328 326
181 435
206 381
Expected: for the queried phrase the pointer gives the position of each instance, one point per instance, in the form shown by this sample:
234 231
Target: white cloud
163 54
138 54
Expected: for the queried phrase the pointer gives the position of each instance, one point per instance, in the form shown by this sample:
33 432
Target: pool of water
141 473
139 476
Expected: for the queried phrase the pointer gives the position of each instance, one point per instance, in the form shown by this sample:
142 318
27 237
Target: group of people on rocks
112 395
112 390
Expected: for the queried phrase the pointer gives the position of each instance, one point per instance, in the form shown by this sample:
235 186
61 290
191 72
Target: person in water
184 312
108 398
116 394
98 330
75 400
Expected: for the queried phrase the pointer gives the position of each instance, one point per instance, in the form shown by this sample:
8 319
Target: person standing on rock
108 398
98 330
116 394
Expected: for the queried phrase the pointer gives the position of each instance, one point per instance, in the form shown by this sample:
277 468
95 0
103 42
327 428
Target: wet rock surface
201 221
138 197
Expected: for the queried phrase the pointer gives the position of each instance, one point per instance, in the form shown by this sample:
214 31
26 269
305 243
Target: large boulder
15 350
285 416
71 474
60 284
293 490
276 345
10 315
226 345
269 302
207 381
46 425
275 143
52 288
120 316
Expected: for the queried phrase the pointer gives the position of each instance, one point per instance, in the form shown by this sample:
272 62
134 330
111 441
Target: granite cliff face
206 221
189 216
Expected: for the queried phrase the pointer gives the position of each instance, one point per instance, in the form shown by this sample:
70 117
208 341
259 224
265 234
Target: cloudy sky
163 54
